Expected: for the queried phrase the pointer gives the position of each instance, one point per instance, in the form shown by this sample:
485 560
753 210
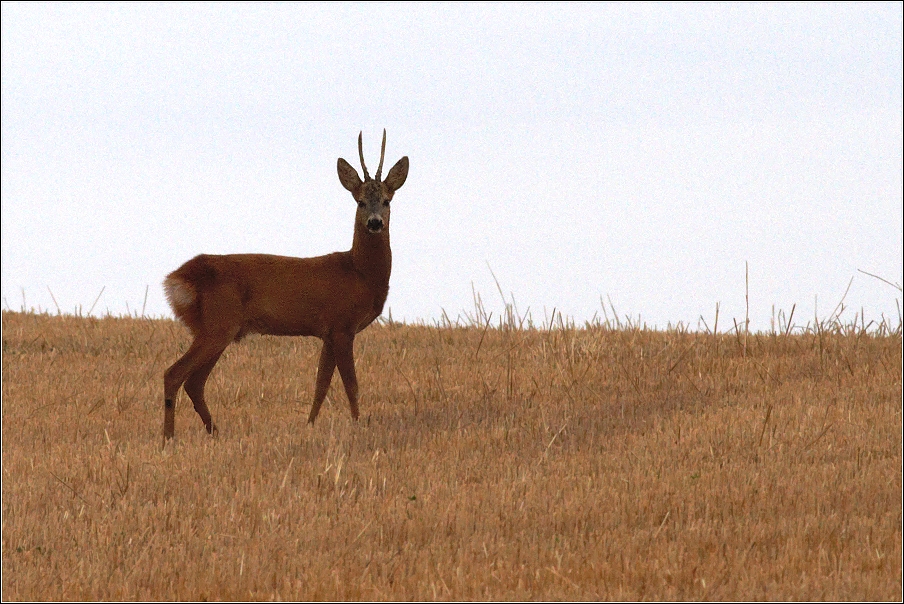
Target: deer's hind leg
192 370
221 309
194 388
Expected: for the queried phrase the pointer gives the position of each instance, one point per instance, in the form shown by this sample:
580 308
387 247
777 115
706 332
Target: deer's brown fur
223 298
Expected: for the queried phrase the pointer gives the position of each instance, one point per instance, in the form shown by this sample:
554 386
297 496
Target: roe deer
333 297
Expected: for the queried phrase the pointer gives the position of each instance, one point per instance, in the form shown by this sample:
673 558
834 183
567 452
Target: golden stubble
497 463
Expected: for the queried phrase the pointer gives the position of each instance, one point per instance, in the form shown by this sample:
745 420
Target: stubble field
489 463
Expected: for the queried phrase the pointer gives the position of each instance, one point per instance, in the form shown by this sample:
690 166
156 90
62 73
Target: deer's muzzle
374 224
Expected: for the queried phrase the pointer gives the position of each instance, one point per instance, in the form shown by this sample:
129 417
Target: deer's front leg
324 375
344 354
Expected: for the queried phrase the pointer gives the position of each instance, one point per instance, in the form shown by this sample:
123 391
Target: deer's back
283 295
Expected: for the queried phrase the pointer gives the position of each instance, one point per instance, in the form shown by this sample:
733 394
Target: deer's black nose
375 225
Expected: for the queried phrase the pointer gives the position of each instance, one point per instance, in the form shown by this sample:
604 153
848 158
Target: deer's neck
372 258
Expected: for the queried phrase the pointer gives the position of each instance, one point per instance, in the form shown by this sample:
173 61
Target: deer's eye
386 204
361 204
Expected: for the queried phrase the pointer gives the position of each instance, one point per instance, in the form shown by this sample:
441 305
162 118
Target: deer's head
373 194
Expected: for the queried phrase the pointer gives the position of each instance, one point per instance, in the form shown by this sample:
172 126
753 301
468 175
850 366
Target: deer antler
382 153
361 155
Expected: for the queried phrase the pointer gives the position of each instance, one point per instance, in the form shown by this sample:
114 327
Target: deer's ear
348 176
396 177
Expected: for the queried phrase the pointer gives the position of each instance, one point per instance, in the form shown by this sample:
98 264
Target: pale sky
638 153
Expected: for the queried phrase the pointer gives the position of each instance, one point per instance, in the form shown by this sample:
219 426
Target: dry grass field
495 463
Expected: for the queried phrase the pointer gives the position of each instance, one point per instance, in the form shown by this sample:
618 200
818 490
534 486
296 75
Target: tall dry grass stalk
491 462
